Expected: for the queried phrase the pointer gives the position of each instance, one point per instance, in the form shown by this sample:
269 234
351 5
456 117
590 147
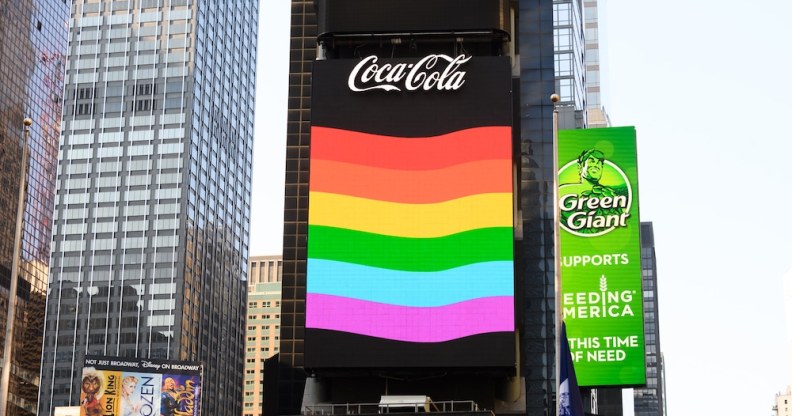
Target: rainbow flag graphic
410 239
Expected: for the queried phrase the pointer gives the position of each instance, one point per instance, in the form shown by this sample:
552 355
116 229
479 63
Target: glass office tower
32 59
570 50
650 400
150 242
534 251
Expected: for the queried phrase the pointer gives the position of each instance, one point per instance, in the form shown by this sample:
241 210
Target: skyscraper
650 400
150 244
595 110
32 60
569 43
295 214
263 326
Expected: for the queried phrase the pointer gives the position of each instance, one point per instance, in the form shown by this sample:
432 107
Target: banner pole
556 252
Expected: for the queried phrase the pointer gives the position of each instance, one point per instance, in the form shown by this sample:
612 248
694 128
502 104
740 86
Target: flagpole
556 252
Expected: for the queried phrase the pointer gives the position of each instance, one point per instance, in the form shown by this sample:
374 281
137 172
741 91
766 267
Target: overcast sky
706 83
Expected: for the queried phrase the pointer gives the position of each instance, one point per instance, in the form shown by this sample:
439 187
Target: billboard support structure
556 251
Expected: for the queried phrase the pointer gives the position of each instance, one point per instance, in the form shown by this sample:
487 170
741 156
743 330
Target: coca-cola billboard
410 219
433 72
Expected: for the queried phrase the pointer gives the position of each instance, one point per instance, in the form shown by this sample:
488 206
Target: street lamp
5 377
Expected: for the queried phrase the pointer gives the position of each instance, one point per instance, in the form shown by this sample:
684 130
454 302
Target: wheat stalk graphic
604 289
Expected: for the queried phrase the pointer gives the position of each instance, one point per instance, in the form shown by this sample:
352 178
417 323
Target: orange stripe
411 186
479 143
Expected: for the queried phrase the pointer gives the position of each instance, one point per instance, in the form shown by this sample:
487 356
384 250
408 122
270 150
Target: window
85 93
84 109
146 89
562 14
144 105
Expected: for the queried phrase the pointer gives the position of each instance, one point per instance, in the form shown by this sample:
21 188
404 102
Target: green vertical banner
600 250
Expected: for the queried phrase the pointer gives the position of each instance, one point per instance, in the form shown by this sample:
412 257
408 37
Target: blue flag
570 402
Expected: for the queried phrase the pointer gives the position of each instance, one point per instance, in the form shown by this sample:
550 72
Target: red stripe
413 153
411 186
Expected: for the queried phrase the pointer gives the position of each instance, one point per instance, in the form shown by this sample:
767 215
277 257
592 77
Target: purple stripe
412 324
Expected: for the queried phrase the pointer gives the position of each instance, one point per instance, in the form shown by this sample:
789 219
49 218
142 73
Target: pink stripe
413 324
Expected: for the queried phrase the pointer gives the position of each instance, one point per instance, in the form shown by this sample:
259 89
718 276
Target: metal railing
376 408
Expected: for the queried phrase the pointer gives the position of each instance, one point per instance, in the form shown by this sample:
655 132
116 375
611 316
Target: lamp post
5 377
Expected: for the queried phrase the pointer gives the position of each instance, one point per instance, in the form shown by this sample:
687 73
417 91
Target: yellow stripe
411 220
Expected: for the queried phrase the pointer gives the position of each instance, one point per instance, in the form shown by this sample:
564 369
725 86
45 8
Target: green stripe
410 254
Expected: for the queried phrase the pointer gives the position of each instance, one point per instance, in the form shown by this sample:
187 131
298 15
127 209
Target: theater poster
113 386
600 246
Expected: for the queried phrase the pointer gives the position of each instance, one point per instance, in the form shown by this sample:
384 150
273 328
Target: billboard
600 247
113 386
410 224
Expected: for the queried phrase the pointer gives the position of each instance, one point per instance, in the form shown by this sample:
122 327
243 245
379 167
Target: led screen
115 386
410 224
601 297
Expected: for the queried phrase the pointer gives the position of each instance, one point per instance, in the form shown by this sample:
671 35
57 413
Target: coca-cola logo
438 72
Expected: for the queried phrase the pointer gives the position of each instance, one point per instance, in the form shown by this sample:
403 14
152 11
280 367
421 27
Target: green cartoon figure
589 206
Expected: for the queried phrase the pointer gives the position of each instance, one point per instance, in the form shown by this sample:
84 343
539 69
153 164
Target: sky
707 85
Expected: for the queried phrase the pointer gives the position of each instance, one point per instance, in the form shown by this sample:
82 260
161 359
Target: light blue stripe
402 288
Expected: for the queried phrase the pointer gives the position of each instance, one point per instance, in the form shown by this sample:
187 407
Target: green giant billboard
600 250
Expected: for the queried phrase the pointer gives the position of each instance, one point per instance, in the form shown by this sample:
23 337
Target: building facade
650 400
534 60
262 336
150 240
32 61
295 215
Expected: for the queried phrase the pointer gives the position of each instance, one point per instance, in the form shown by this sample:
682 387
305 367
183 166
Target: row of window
115 123
113 212
264 304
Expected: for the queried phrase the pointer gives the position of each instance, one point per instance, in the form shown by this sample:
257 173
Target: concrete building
263 326
596 116
150 241
32 60
783 403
